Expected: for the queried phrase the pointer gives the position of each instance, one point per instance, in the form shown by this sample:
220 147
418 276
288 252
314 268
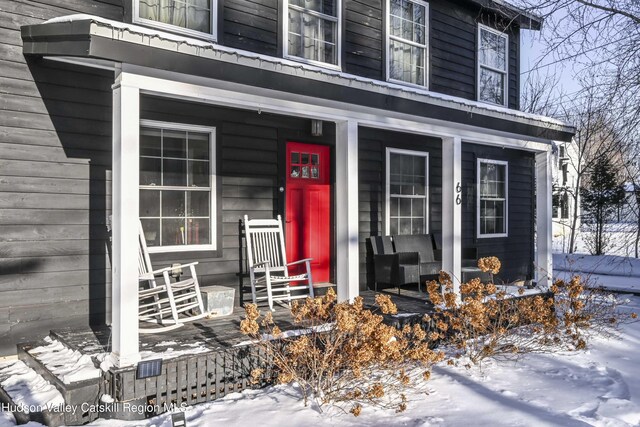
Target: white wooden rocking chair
268 266
168 305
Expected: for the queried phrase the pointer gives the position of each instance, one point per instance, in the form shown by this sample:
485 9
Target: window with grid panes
408 36
195 17
492 198
313 28
176 186
407 192
492 65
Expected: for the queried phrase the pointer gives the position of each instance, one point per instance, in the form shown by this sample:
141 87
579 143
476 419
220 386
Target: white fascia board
222 93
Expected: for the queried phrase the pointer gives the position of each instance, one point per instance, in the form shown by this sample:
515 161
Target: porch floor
223 332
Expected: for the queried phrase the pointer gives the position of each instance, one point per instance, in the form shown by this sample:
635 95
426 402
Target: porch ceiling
88 37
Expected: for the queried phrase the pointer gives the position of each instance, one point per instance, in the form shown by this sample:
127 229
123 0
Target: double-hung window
492 198
407 192
177 186
312 29
192 17
492 65
407 41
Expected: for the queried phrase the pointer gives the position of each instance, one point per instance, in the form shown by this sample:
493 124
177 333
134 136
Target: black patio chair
391 267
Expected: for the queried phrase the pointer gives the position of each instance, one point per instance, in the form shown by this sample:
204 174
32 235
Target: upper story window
407 41
492 65
177 182
407 191
192 17
492 198
313 31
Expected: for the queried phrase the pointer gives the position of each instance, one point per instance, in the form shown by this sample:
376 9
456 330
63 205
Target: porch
201 361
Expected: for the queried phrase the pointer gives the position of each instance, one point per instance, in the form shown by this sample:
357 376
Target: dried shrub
345 354
486 322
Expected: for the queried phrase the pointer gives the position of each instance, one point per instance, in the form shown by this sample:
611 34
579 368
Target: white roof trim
190 46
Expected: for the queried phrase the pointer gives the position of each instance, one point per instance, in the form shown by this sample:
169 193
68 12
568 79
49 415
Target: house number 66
458 194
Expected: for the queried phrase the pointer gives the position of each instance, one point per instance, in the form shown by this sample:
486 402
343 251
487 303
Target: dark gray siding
250 169
251 25
55 142
372 144
516 250
452 39
364 38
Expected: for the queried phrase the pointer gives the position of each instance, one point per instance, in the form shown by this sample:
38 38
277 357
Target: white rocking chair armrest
173 267
299 261
261 263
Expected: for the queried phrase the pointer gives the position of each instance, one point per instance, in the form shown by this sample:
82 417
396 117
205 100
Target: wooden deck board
219 333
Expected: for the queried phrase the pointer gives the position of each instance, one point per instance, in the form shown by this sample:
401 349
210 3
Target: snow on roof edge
437 97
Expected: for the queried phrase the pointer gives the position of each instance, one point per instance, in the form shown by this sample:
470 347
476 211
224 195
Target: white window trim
213 36
481 28
213 220
506 198
426 46
425 154
285 35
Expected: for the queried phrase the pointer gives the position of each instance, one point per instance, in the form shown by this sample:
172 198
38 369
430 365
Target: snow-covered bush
486 322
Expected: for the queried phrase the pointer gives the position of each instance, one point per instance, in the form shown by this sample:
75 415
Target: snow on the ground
609 271
598 387
26 388
68 365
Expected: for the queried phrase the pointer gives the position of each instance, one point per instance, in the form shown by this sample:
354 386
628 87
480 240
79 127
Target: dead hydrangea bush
345 354
486 322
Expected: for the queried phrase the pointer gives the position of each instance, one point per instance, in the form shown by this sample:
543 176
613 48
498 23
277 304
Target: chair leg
309 279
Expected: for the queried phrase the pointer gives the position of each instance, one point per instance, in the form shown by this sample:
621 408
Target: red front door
308 207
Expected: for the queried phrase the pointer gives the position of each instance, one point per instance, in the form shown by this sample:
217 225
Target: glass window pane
491 86
173 204
305 171
151 229
198 203
175 173
198 231
199 174
417 208
305 158
417 226
191 14
198 146
173 232
404 226
295 171
150 140
150 171
312 37
295 158
493 49
405 207
199 15
407 63
149 203
174 143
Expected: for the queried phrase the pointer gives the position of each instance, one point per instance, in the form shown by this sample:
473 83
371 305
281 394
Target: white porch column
124 294
452 208
347 253
544 265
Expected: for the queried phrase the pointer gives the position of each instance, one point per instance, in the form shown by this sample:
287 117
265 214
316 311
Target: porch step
73 375
28 396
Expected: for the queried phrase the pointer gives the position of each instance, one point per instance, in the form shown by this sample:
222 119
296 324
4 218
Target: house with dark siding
350 118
